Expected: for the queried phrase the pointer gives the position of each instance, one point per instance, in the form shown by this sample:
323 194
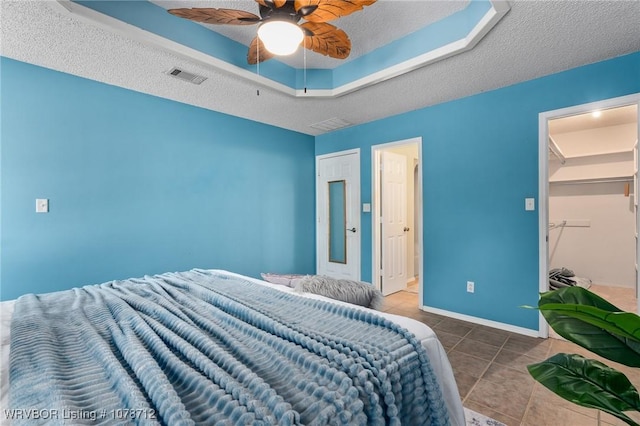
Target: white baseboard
482 321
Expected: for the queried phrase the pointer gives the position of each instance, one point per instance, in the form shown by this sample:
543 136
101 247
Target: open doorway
588 200
397 218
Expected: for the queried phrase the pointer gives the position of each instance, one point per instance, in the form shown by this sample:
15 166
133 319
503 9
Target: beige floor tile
544 397
622 297
532 347
468 363
448 340
465 382
608 419
477 349
497 373
453 326
501 398
479 408
515 360
485 335
542 415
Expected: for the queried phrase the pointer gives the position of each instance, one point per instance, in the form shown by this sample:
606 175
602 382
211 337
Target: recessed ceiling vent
186 76
331 124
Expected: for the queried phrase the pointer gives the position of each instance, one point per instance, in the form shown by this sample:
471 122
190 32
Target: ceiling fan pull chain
258 64
304 51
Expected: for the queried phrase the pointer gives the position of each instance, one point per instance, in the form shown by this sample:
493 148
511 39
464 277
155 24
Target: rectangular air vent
186 76
331 124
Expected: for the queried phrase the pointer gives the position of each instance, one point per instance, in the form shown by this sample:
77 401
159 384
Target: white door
338 215
394 228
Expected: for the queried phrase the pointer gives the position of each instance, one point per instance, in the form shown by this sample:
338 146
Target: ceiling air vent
331 124
186 76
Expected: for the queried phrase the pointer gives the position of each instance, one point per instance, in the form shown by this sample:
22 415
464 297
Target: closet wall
589 192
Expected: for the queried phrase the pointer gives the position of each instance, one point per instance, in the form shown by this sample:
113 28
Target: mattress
427 338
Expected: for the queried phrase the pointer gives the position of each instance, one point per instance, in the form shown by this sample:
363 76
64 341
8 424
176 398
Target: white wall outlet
42 205
529 204
471 286
366 207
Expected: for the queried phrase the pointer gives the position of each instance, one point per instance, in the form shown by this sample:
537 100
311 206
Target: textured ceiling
534 39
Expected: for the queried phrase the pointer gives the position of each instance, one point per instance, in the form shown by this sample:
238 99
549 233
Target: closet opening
588 201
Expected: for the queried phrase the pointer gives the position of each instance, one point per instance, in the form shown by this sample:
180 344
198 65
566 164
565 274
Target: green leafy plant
588 320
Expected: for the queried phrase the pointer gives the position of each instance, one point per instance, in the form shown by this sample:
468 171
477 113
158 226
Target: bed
211 346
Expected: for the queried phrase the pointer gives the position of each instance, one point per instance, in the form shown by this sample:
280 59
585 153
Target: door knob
352 229
406 229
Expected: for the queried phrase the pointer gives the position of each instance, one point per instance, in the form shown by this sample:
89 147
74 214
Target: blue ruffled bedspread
203 347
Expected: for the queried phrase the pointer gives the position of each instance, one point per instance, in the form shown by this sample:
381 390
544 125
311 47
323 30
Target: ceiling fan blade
252 56
326 39
217 16
328 10
271 3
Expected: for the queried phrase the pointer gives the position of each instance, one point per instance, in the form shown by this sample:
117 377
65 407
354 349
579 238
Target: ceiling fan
280 25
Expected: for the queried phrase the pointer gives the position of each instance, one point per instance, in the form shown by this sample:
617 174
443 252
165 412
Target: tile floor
490 370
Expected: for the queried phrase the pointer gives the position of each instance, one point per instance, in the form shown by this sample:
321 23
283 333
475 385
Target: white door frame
543 181
356 215
375 207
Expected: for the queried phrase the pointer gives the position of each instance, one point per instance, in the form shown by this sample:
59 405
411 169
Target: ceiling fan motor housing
284 13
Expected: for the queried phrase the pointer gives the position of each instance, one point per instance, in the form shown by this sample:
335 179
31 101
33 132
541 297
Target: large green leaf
623 324
588 383
593 323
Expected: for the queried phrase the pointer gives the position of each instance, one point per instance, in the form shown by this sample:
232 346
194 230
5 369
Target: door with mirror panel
338 214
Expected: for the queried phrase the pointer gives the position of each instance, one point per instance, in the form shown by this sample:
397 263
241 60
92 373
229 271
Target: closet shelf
598 154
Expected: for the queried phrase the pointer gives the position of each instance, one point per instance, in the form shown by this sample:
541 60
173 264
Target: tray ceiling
533 39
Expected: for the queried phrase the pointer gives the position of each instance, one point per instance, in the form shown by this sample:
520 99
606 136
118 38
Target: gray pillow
354 292
290 280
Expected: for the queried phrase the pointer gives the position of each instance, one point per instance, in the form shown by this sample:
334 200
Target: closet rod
557 225
584 181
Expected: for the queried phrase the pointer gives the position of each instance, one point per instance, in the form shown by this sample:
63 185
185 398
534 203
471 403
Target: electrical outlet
529 204
42 205
470 286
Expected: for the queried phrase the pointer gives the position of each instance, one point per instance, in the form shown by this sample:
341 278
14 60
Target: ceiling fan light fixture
280 37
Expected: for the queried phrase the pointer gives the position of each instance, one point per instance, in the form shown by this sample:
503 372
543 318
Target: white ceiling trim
489 20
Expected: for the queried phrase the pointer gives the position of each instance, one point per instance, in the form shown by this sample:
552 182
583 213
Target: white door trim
375 206
356 216
543 181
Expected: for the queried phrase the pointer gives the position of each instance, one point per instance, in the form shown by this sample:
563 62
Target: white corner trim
482 321
489 20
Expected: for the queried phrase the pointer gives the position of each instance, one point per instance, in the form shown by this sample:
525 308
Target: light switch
42 205
529 204
366 207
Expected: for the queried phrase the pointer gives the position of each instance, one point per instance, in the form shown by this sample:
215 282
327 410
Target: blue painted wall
480 161
141 185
